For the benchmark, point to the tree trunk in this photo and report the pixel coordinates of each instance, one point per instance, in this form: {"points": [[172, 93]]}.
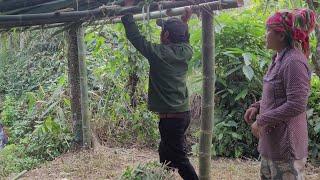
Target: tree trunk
{"points": [[208, 94], [84, 88], [74, 81]]}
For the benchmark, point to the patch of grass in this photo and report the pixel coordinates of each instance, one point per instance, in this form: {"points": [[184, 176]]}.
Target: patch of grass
{"points": [[148, 171]]}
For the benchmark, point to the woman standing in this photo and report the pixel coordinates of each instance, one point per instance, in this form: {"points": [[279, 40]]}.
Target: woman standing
{"points": [[281, 123]]}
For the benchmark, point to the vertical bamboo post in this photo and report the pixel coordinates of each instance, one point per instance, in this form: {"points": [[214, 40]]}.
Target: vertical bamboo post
{"points": [[10, 42], [208, 94], [74, 81], [1, 42], [22, 40], [84, 88]]}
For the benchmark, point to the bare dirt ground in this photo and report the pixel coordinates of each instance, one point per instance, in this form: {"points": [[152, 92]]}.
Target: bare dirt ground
{"points": [[110, 163]]}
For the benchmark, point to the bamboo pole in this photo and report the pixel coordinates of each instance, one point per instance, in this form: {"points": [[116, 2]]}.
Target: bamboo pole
{"points": [[42, 8], [137, 17], [33, 5], [74, 81], [163, 13], [22, 40], [9, 21], [84, 88], [208, 94], [20, 175], [17, 4], [1, 42]]}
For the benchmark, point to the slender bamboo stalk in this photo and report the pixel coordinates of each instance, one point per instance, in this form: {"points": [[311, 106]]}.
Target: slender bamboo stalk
{"points": [[10, 42], [42, 8], [1, 42], [20, 175], [22, 40], [208, 94], [74, 80], [16, 4], [9, 21], [84, 88], [25, 5]]}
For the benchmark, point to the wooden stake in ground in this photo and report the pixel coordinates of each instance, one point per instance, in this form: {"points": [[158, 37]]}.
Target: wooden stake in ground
{"points": [[74, 80], [84, 88], [208, 94]]}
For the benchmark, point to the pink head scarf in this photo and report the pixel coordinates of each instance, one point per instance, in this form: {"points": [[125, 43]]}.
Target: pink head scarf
{"points": [[297, 24]]}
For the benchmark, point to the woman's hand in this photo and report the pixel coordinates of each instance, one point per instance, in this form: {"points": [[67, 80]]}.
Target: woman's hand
{"points": [[187, 15], [250, 115], [129, 3], [255, 129]]}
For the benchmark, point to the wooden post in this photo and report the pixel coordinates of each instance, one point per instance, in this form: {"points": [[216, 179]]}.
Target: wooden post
{"points": [[208, 94], [74, 80], [84, 88], [1, 42], [79, 86]]}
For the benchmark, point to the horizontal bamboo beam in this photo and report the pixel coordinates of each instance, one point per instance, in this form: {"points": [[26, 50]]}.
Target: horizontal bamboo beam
{"points": [[163, 13], [16, 4], [26, 6], [10, 21], [137, 17]]}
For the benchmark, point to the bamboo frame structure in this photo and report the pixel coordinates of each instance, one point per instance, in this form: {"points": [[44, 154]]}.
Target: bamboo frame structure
{"points": [[208, 94], [76, 56], [165, 13], [137, 17], [10, 21]]}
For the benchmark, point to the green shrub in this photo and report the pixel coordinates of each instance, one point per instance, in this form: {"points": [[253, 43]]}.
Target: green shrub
{"points": [[314, 120], [119, 76], [148, 171], [13, 158], [48, 140]]}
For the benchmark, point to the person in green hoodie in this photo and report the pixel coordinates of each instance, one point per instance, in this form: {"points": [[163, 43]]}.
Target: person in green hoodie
{"points": [[168, 93]]}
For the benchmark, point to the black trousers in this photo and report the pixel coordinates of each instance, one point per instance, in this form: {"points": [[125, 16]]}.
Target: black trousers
{"points": [[172, 148]]}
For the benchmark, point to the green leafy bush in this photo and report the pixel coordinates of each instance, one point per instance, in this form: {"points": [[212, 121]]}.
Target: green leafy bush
{"points": [[14, 159], [119, 76], [148, 171], [314, 120], [48, 140]]}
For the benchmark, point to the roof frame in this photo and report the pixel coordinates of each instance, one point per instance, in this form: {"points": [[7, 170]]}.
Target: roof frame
{"points": [[103, 12]]}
